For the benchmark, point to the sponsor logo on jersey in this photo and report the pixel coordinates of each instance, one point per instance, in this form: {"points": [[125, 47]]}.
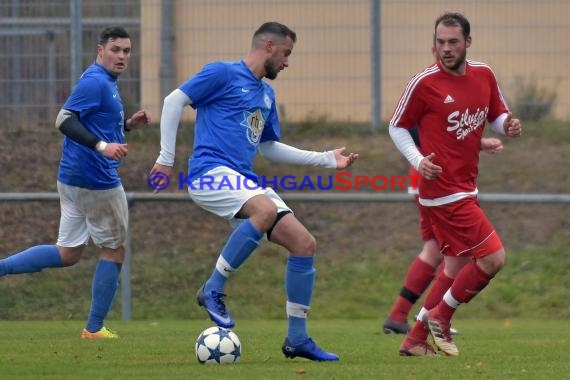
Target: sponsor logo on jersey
{"points": [[462, 124]]}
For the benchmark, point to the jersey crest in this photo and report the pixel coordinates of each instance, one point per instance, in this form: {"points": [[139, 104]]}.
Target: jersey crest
{"points": [[254, 123]]}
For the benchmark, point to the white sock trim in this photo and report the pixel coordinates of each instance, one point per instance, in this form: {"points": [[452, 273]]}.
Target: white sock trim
{"points": [[450, 300], [224, 267], [423, 311], [297, 310]]}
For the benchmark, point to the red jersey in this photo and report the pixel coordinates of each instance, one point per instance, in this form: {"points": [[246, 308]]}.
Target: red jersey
{"points": [[450, 112]]}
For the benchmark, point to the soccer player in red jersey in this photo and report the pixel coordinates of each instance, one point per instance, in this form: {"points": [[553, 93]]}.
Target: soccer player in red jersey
{"points": [[424, 267], [450, 102]]}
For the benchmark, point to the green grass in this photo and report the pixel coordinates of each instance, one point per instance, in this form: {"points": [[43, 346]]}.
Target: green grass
{"points": [[533, 284], [489, 349], [364, 251]]}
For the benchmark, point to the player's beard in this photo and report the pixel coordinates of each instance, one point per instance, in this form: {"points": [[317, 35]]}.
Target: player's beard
{"points": [[457, 63], [270, 70]]}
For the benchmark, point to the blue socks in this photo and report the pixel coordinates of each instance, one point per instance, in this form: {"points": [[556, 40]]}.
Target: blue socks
{"points": [[299, 281], [31, 260], [242, 242], [299, 277], [104, 287], [105, 279]]}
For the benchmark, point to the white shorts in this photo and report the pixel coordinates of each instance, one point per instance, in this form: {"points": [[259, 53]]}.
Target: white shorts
{"points": [[101, 215], [223, 191]]}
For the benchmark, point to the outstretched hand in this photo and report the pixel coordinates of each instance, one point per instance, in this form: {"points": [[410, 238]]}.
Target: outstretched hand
{"points": [[342, 161], [428, 169], [138, 119]]}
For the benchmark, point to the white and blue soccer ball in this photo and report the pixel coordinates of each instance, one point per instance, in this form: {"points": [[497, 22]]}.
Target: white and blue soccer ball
{"points": [[218, 345]]}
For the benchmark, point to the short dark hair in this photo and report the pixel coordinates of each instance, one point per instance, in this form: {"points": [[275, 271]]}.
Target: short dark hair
{"points": [[112, 33], [273, 27], [454, 19]]}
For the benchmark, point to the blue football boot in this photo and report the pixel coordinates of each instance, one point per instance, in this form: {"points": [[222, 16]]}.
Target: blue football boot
{"points": [[308, 350], [215, 306]]}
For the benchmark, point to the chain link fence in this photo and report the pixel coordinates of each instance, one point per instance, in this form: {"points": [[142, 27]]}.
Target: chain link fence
{"points": [[333, 70], [350, 64]]}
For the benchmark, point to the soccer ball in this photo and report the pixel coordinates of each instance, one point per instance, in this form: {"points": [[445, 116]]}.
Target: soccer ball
{"points": [[218, 345]]}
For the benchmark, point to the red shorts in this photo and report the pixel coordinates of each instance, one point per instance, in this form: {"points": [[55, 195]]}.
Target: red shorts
{"points": [[462, 229], [426, 229], [425, 224]]}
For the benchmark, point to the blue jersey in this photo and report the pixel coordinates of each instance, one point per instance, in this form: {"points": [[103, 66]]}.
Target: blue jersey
{"points": [[235, 112], [95, 98]]}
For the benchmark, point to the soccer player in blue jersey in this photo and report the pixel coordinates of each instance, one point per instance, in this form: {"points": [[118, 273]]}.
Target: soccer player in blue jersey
{"points": [[92, 198], [236, 118]]}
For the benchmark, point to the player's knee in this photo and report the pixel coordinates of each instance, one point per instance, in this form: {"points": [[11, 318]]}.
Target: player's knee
{"points": [[499, 259], [494, 262], [265, 218], [116, 255], [430, 254], [261, 211], [70, 255], [307, 245]]}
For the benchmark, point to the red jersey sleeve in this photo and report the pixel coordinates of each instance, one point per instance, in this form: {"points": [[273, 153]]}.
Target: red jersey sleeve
{"points": [[411, 105], [497, 103]]}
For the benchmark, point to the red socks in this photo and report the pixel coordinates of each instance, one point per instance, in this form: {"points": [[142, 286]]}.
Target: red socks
{"points": [[418, 278], [469, 282], [438, 289]]}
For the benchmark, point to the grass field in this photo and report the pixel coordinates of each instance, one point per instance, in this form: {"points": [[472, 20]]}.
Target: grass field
{"points": [[489, 349], [519, 329]]}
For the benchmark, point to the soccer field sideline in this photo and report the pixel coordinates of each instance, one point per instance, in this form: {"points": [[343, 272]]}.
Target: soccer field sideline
{"points": [[164, 349]]}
